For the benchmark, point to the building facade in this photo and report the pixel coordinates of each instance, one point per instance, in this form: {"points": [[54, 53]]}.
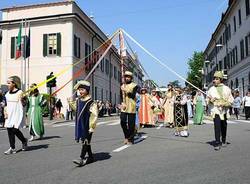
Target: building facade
{"points": [[229, 48], [61, 35]]}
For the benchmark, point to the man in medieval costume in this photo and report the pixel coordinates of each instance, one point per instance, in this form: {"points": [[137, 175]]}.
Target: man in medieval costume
{"points": [[145, 111], [35, 118], [180, 113], [128, 108], [85, 121], [168, 106], [220, 98]]}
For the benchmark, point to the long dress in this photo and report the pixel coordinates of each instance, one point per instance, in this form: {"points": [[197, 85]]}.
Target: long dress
{"points": [[36, 126], [168, 106], [145, 111], [199, 109], [181, 115]]}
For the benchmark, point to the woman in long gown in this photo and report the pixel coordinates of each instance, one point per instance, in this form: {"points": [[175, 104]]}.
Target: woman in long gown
{"points": [[36, 101], [199, 102]]}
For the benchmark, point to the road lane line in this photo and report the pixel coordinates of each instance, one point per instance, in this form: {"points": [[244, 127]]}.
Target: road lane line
{"points": [[126, 146]]}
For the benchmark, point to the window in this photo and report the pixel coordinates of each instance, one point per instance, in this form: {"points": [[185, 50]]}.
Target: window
{"points": [[77, 47], [232, 84], [52, 44], [111, 70], [220, 65], [249, 78], [225, 62], [106, 95], [236, 54], [102, 65], [107, 66], [239, 13], [102, 94], [247, 2], [234, 24], [95, 93], [243, 85], [247, 45], [229, 31], [115, 72], [13, 48], [87, 56], [236, 83], [119, 77], [242, 49]]}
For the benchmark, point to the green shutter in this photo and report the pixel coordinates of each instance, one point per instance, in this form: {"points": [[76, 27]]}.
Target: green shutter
{"points": [[58, 44], [45, 45], [12, 48]]}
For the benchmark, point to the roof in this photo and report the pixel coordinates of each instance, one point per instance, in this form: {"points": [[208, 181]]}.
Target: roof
{"points": [[65, 2]]}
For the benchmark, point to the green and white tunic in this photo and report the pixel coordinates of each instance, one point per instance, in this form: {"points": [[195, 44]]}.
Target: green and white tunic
{"points": [[35, 117]]}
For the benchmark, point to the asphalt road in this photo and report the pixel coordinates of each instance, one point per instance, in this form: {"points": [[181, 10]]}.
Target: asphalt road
{"points": [[158, 157]]}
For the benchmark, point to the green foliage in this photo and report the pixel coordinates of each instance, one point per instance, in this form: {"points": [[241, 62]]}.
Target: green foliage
{"points": [[194, 70], [176, 83]]}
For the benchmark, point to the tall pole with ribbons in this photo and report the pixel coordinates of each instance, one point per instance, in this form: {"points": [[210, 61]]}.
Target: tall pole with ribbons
{"points": [[122, 57]]}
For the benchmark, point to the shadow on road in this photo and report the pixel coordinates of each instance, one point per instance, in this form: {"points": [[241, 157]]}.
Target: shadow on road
{"points": [[212, 143], [101, 156], [37, 147], [48, 137]]}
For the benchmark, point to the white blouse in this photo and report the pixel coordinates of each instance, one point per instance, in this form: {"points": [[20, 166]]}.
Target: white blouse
{"points": [[14, 110]]}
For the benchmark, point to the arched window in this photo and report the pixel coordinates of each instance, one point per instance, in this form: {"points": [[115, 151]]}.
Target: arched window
{"points": [[236, 83]]}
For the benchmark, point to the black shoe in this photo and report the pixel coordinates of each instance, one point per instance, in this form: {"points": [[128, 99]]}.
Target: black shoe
{"points": [[80, 162], [25, 145], [90, 160]]}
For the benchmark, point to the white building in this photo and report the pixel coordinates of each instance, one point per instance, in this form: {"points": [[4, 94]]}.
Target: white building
{"points": [[61, 35], [229, 47]]}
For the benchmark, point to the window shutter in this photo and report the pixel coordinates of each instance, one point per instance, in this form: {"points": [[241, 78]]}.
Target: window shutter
{"points": [[58, 44], [12, 48], [45, 45]]}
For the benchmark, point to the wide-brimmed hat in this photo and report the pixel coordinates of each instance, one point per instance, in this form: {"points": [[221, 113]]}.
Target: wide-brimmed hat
{"points": [[16, 80], [128, 73], [219, 74], [82, 83]]}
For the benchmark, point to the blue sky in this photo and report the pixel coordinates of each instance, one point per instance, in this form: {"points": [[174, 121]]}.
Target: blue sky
{"points": [[171, 29]]}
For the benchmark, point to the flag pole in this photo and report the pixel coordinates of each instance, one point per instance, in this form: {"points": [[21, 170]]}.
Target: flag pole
{"points": [[24, 52], [28, 63], [21, 61]]}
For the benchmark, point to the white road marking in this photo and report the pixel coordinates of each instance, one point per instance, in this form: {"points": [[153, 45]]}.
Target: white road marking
{"points": [[126, 146], [121, 148], [160, 126]]}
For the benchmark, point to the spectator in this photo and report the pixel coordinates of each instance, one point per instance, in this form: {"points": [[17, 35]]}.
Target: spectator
{"points": [[236, 104], [2, 105], [246, 104]]}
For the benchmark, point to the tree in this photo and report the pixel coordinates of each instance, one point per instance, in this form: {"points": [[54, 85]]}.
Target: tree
{"points": [[176, 83], [194, 70]]}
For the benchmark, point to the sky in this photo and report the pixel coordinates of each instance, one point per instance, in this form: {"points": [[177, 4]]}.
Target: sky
{"points": [[172, 30]]}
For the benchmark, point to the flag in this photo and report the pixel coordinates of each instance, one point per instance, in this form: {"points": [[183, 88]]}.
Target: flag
{"points": [[122, 45], [19, 42], [27, 45]]}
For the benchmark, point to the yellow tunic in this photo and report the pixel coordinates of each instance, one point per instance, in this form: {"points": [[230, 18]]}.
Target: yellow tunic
{"points": [[129, 103]]}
